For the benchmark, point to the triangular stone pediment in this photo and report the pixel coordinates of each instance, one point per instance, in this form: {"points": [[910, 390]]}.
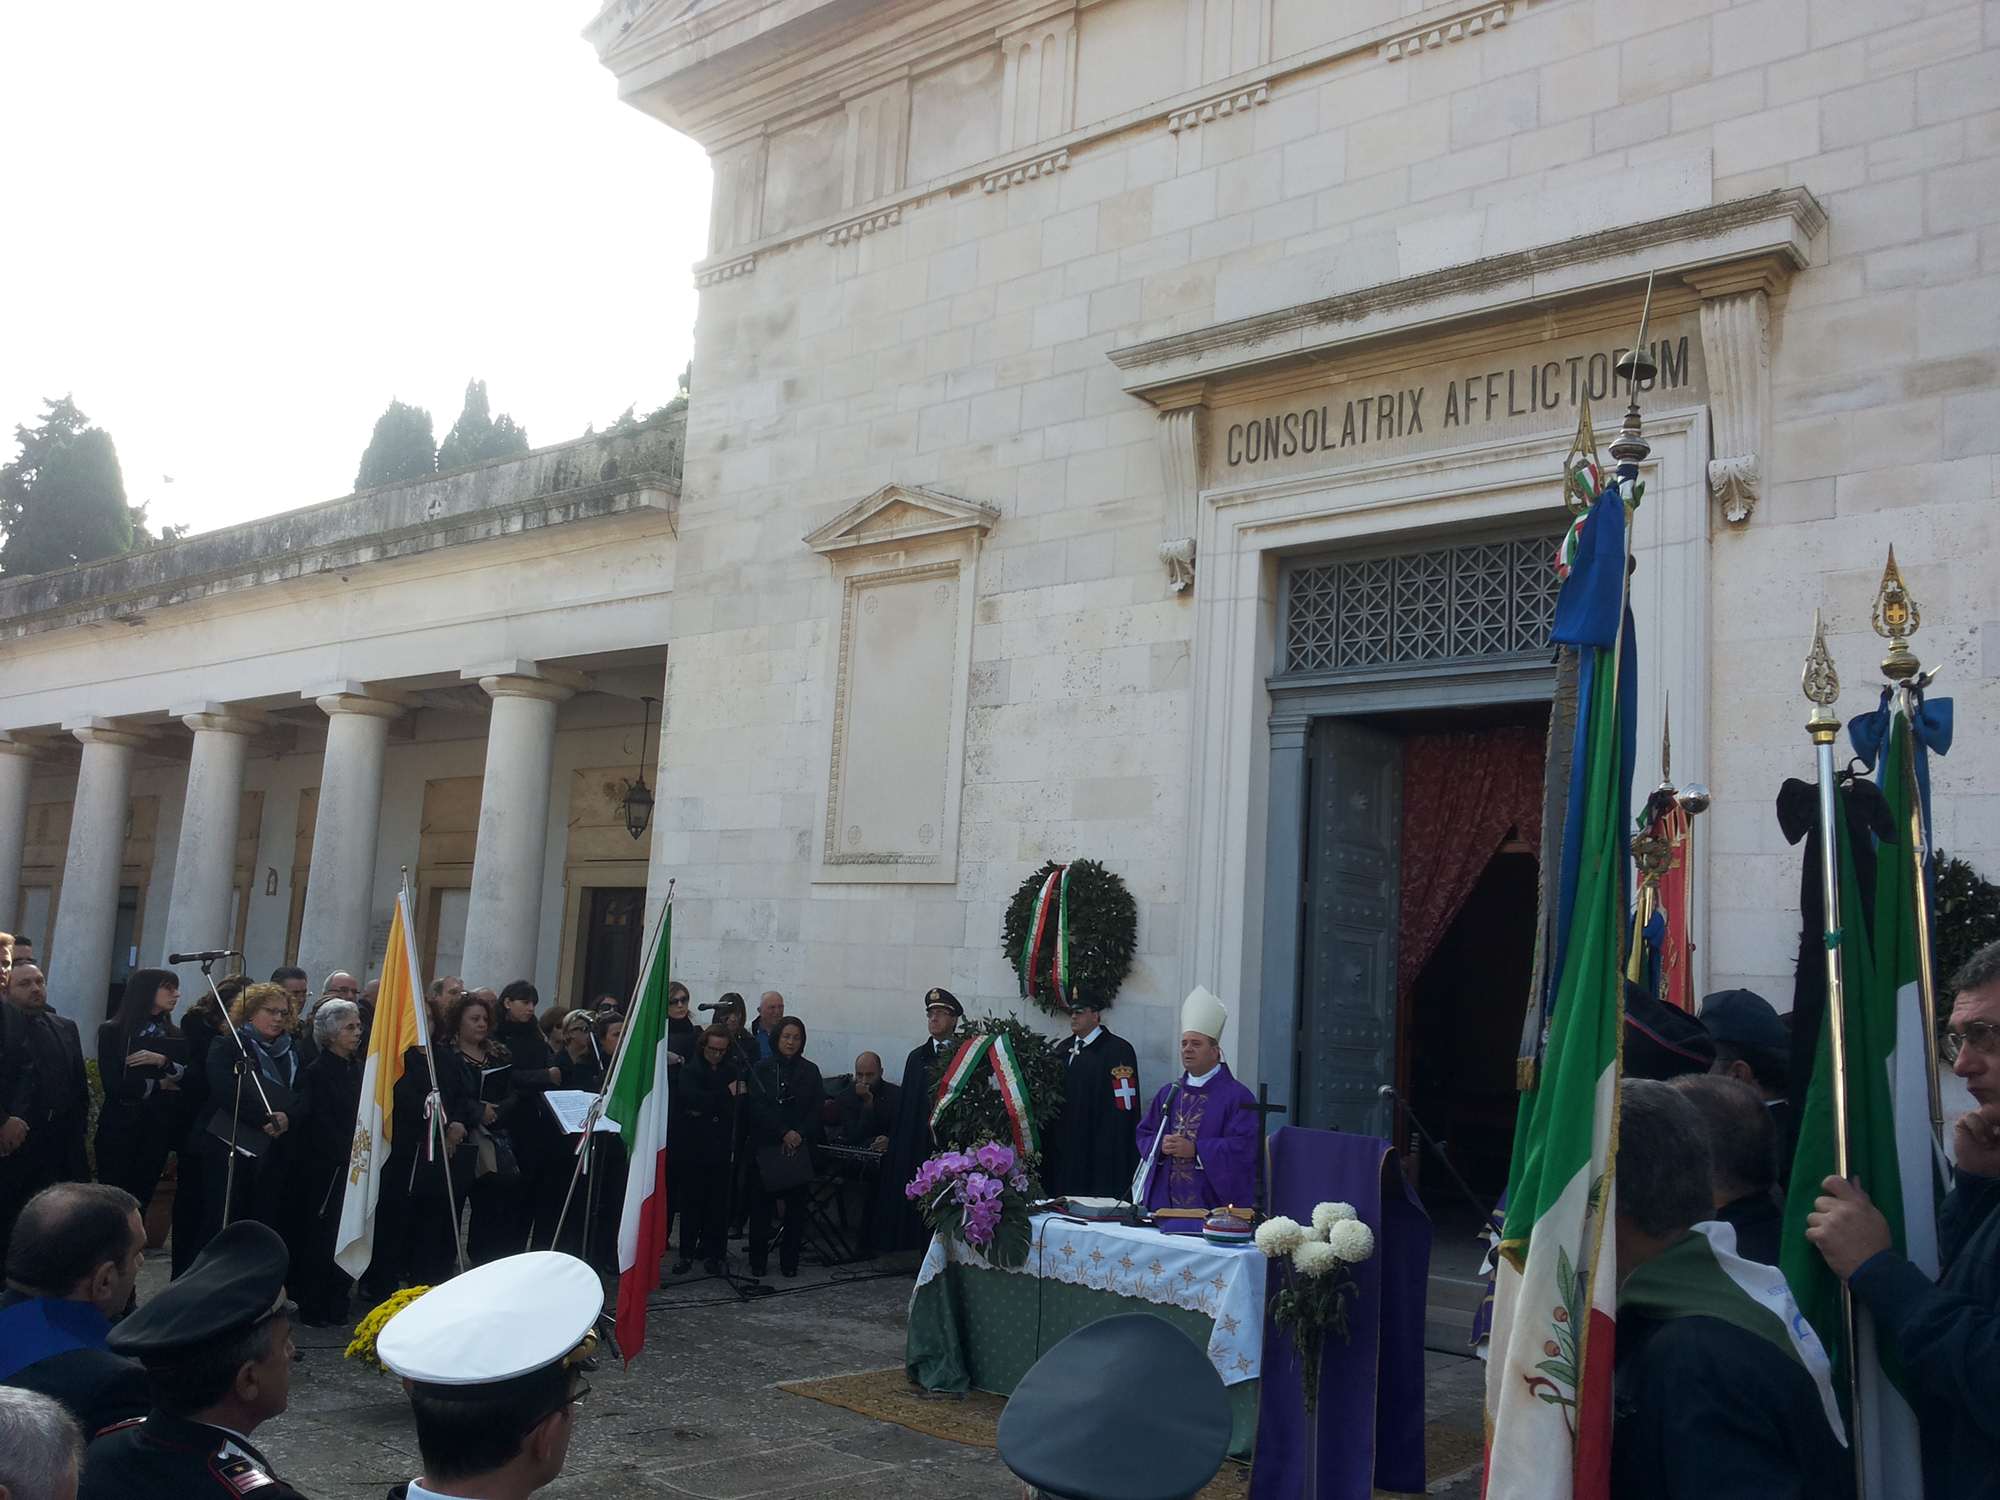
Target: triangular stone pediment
{"points": [[899, 513]]}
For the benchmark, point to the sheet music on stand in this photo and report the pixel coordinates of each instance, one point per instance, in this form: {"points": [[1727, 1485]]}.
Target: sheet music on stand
{"points": [[569, 1106]]}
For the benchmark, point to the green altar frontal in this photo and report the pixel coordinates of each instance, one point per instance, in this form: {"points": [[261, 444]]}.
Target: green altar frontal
{"points": [[976, 1328]]}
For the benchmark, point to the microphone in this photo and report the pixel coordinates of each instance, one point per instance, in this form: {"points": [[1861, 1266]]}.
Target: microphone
{"points": [[206, 956]]}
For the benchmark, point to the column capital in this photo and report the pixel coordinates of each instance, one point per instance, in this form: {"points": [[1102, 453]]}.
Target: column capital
{"points": [[338, 702], [105, 732], [513, 685], [11, 746], [213, 718]]}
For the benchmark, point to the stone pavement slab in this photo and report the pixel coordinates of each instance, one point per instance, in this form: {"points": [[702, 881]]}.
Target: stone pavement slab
{"points": [[698, 1416]]}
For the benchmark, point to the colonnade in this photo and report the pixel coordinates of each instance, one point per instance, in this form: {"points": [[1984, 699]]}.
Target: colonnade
{"points": [[503, 919]]}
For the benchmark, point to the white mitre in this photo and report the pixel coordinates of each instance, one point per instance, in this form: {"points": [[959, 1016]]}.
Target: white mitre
{"points": [[1202, 1012]]}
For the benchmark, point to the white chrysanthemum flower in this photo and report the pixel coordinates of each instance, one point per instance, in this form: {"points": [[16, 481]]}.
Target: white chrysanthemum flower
{"points": [[1280, 1236], [1315, 1259], [1329, 1214], [1352, 1241]]}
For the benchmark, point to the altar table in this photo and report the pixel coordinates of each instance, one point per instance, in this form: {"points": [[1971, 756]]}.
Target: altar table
{"points": [[973, 1326]]}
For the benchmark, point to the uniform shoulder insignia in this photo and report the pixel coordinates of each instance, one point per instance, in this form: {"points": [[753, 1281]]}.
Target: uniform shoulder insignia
{"points": [[242, 1473]]}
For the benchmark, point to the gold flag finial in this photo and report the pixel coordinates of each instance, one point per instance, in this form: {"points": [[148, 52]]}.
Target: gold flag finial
{"points": [[1821, 683], [1583, 469], [1667, 742], [1896, 619]]}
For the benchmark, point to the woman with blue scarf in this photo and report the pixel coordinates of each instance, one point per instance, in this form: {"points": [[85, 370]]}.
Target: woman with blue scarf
{"points": [[262, 1139]]}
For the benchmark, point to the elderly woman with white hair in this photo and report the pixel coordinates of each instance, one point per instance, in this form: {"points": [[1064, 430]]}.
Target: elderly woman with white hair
{"points": [[334, 1076]]}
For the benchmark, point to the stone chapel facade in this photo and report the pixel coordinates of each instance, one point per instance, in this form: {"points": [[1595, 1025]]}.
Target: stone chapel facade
{"points": [[1117, 420], [1121, 427]]}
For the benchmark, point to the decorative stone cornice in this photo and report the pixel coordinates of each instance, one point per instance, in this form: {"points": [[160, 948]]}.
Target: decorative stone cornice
{"points": [[864, 224], [897, 514], [1771, 235], [1026, 171], [1235, 102], [712, 272], [1430, 37]]}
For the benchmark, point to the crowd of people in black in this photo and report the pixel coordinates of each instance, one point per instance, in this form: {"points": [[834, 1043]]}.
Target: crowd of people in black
{"points": [[252, 1095], [245, 1102]]}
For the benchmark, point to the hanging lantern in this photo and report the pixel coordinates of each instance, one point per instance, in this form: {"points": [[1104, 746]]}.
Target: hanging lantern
{"points": [[638, 802]]}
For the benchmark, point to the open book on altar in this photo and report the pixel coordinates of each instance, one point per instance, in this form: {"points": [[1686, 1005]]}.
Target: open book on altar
{"points": [[569, 1106]]}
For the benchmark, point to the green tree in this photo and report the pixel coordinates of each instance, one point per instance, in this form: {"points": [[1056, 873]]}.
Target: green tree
{"points": [[478, 435], [62, 499], [402, 448]]}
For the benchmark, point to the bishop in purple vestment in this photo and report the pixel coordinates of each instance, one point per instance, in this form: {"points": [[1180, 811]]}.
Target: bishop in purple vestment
{"points": [[1199, 1140]]}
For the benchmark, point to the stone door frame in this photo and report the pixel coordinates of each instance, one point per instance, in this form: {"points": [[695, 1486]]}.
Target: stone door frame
{"points": [[1246, 764]]}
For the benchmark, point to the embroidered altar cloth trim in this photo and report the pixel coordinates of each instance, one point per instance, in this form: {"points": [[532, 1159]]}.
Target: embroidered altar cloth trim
{"points": [[1225, 1285]]}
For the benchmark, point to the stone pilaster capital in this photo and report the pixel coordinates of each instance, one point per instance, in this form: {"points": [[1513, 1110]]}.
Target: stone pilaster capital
{"points": [[357, 703], [512, 685], [11, 746], [105, 732]]}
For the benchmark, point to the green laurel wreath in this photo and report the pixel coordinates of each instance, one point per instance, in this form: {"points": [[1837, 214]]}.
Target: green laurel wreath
{"points": [[1103, 933]]}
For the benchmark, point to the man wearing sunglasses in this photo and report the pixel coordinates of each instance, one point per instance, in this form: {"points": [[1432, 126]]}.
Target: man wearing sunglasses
{"points": [[1947, 1332], [492, 1361]]}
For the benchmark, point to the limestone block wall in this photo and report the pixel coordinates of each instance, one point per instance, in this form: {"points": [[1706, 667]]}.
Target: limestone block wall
{"points": [[963, 347]]}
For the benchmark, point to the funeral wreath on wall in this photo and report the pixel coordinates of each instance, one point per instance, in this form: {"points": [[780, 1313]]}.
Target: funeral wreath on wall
{"points": [[1070, 933]]}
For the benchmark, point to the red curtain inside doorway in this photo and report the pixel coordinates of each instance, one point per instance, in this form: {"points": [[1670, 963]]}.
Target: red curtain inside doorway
{"points": [[1463, 794]]}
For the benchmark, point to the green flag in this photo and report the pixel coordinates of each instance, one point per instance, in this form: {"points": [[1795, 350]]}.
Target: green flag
{"points": [[1889, 1137]]}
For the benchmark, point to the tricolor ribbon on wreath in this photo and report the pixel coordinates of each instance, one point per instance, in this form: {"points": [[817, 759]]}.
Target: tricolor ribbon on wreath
{"points": [[998, 1050], [1049, 921]]}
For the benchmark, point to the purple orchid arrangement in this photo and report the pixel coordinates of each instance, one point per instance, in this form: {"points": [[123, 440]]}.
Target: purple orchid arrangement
{"points": [[979, 1197]]}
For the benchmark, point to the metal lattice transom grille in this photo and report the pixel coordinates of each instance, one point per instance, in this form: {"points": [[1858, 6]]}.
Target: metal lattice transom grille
{"points": [[1461, 603]]}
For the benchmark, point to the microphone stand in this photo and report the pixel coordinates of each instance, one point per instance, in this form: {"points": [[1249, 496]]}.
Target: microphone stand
{"points": [[1388, 1092], [244, 1064], [746, 1288]]}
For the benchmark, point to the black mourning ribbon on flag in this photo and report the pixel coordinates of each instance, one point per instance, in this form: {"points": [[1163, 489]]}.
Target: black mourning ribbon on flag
{"points": [[1868, 820]]}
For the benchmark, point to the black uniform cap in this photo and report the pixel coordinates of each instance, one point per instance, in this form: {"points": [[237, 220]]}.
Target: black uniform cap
{"points": [[233, 1285], [1662, 1041], [945, 998], [1126, 1408], [1745, 1020]]}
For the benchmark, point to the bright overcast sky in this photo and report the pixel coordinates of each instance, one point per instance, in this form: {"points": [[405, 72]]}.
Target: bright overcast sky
{"points": [[236, 230]]}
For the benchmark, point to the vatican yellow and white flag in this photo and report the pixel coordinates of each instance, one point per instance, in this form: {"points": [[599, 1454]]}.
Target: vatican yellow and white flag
{"points": [[400, 1024]]}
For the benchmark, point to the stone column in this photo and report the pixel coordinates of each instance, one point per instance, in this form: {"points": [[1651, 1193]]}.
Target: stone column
{"points": [[205, 858], [17, 768], [504, 916], [334, 933], [87, 909]]}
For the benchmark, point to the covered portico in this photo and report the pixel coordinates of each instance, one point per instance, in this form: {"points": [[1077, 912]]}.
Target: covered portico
{"points": [[245, 739]]}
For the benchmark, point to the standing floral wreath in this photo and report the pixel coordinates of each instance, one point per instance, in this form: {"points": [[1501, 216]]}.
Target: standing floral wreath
{"points": [[1070, 934], [979, 1112]]}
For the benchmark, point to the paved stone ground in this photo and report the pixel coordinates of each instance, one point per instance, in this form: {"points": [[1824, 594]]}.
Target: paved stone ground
{"points": [[699, 1415]]}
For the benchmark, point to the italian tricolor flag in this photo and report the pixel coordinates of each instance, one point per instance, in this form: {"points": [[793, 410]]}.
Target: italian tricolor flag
{"points": [[1549, 1373], [636, 1097]]}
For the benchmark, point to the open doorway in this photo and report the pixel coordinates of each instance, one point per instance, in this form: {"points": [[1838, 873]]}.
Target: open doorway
{"points": [[613, 932], [1463, 1030]]}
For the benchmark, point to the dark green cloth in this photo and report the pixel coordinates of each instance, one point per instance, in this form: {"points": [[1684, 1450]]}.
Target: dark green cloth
{"points": [[978, 1329]]}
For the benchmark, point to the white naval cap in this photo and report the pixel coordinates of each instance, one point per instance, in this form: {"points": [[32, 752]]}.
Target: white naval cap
{"points": [[508, 1318], [1202, 1012]]}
